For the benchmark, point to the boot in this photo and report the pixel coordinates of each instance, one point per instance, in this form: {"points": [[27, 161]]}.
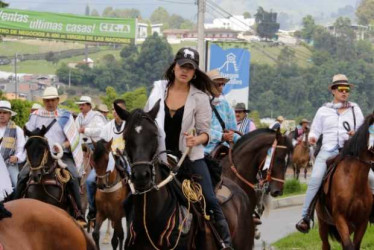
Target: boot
{"points": [[23, 178], [303, 225], [224, 232], [73, 186]]}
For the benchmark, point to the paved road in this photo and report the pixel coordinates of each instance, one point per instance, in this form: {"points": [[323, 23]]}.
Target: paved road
{"points": [[277, 225]]}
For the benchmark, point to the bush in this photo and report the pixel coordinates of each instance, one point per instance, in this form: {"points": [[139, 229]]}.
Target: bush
{"points": [[293, 186]]}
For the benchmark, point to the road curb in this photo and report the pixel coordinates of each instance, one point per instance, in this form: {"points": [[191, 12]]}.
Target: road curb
{"points": [[290, 201]]}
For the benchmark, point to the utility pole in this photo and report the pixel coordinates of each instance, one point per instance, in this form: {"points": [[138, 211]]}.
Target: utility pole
{"points": [[85, 45], [15, 75], [200, 32]]}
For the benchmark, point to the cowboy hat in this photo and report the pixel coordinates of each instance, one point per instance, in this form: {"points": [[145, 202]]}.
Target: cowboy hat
{"points": [[304, 121], [51, 93], [340, 80], [6, 106], [103, 108], [215, 74], [280, 118], [85, 99], [241, 107]]}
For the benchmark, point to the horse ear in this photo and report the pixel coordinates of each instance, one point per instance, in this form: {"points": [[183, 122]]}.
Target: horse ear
{"points": [[154, 111], [123, 114], [26, 131], [43, 131]]}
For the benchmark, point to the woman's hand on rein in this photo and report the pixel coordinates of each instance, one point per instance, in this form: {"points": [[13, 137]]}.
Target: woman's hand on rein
{"points": [[191, 141]]}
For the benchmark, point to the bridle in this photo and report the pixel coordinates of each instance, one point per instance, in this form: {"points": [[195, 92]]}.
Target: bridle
{"points": [[262, 181], [44, 159]]}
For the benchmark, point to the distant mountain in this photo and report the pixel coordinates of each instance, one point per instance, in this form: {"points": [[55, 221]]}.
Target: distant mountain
{"points": [[290, 12]]}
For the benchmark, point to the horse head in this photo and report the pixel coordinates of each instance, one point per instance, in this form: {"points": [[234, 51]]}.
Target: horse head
{"points": [[141, 137], [37, 152], [361, 144], [277, 171], [101, 158]]}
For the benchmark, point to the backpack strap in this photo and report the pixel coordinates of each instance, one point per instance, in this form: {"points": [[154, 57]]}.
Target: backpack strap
{"points": [[218, 116], [354, 118]]}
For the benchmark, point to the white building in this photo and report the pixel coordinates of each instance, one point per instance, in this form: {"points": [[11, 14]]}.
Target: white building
{"points": [[142, 30], [237, 23]]}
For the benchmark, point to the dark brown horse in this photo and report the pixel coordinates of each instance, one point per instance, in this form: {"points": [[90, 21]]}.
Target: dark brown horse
{"points": [[112, 190], [301, 156], [346, 201], [35, 225], [159, 215], [47, 180], [244, 165]]}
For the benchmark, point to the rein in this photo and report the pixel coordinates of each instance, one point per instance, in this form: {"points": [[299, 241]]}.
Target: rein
{"points": [[262, 181]]}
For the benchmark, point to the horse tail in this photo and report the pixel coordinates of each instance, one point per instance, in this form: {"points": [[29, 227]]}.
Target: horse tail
{"points": [[334, 234], [3, 212]]}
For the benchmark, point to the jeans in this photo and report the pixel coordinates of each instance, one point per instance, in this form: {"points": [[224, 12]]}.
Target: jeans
{"points": [[91, 189], [200, 168], [13, 173], [318, 172]]}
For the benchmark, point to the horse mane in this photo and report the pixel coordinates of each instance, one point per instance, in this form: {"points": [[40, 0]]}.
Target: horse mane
{"points": [[4, 213], [358, 143], [247, 138], [100, 149]]}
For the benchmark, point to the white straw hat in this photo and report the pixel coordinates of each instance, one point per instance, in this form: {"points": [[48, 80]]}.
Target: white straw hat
{"points": [[6, 106], [85, 99]]}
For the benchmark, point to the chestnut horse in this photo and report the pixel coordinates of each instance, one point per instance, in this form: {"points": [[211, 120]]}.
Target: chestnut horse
{"points": [[35, 225], [345, 202], [111, 191], [301, 156], [244, 164], [155, 211]]}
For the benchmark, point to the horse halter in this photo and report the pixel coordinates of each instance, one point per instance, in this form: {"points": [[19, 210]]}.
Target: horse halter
{"points": [[262, 181]]}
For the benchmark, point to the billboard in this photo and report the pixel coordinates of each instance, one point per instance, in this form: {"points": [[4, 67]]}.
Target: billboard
{"points": [[65, 26], [232, 63]]}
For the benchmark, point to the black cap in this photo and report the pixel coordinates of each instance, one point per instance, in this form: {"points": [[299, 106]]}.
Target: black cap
{"points": [[187, 55]]}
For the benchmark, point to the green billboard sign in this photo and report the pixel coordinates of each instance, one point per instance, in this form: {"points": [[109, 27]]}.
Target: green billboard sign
{"points": [[67, 27]]}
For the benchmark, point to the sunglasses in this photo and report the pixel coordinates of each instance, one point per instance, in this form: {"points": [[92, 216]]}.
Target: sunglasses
{"points": [[344, 89], [238, 111]]}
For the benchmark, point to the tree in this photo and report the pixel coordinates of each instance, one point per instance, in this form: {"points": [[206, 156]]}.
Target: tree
{"points": [[266, 23], [129, 50], [94, 12], [22, 108], [3, 4], [160, 15], [111, 95], [121, 13], [136, 98], [155, 56], [247, 15], [365, 12], [308, 29], [175, 21]]}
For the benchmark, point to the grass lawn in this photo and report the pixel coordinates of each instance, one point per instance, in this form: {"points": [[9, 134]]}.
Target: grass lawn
{"points": [[44, 67], [35, 46], [311, 241], [293, 187]]}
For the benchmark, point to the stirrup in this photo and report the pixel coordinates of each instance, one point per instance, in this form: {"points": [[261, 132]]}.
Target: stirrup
{"points": [[303, 225]]}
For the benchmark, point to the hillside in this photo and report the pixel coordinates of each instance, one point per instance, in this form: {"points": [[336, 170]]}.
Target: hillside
{"points": [[261, 53]]}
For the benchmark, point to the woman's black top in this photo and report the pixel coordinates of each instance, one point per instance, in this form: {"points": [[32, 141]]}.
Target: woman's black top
{"points": [[172, 127]]}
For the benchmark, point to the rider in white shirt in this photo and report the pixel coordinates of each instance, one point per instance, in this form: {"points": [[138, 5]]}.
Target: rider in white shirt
{"points": [[336, 121]]}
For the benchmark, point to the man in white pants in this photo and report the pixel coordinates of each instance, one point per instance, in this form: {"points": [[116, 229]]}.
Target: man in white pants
{"points": [[329, 121]]}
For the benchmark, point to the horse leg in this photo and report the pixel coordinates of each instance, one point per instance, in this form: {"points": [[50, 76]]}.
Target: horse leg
{"points": [[118, 235], [294, 170], [106, 238], [323, 234], [96, 232], [305, 170], [359, 234], [342, 227], [297, 172]]}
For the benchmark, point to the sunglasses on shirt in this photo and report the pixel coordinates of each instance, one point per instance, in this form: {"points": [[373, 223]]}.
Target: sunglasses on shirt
{"points": [[343, 89]]}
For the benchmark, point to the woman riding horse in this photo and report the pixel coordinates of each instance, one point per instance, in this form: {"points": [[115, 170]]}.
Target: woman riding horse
{"points": [[185, 106]]}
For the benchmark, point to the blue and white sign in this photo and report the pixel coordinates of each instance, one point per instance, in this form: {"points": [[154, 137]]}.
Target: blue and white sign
{"points": [[234, 64]]}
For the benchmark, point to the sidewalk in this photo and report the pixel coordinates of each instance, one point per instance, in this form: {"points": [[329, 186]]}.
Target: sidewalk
{"points": [[290, 201]]}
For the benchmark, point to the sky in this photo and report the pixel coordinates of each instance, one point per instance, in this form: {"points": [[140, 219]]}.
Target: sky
{"points": [[187, 8]]}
